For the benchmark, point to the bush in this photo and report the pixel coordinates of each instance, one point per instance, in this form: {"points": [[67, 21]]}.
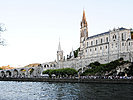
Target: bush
{"points": [[94, 64], [98, 68], [61, 72]]}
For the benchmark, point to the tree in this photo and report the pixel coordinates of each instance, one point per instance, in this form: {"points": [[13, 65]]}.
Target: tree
{"points": [[61, 72]]}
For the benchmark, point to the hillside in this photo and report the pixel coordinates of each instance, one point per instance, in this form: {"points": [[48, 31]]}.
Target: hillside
{"points": [[117, 67]]}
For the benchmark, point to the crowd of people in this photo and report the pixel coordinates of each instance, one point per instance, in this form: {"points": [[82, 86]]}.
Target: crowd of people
{"points": [[106, 77]]}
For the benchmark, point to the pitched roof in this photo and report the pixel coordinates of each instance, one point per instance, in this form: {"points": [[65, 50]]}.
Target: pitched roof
{"points": [[104, 33]]}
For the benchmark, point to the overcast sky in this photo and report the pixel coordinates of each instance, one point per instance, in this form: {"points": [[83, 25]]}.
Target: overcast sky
{"points": [[34, 26]]}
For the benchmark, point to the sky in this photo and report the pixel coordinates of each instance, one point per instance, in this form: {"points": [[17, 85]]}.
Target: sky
{"points": [[33, 27]]}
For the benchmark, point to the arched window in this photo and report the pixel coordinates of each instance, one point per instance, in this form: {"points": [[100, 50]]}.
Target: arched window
{"points": [[87, 44], [96, 42], [122, 44], [106, 39], [91, 42], [106, 47], [115, 36], [122, 36], [86, 50], [101, 40]]}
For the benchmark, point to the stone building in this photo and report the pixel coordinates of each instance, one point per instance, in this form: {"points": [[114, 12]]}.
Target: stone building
{"points": [[104, 47], [113, 44]]}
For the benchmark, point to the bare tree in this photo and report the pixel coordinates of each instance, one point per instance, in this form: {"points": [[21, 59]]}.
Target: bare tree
{"points": [[2, 29]]}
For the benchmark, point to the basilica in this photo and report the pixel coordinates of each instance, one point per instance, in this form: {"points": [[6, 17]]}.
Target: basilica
{"points": [[104, 47]]}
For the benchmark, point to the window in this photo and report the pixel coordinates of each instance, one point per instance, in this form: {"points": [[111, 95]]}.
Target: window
{"points": [[86, 50], [122, 44], [91, 42], [106, 47], [100, 48], [114, 37], [112, 45], [96, 42], [122, 36], [95, 49], [87, 44], [129, 43], [90, 50], [101, 40], [116, 45], [106, 39]]}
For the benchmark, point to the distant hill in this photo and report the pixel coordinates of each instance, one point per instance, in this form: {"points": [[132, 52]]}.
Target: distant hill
{"points": [[6, 67], [33, 65]]}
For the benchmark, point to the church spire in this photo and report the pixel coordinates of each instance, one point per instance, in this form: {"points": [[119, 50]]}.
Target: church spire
{"points": [[83, 22], [84, 18], [59, 46], [59, 53]]}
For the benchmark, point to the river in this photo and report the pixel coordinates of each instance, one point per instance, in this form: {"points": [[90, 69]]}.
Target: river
{"points": [[10, 90]]}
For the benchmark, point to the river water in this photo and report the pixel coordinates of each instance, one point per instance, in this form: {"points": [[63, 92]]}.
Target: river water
{"points": [[64, 91]]}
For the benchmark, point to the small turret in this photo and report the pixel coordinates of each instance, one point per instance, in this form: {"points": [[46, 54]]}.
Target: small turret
{"points": [[72, 54]]}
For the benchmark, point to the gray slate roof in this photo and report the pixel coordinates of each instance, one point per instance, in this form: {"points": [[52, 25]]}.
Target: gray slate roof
{"points": [[104, 33]]}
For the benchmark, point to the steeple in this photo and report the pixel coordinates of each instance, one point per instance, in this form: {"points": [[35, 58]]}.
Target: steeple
{"points": [[59, 53], [59, 46], [83, 34], [83, 22], [84, 18]]}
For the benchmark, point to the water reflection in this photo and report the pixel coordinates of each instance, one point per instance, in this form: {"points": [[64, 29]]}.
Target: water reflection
{"points": [[64, 91]]}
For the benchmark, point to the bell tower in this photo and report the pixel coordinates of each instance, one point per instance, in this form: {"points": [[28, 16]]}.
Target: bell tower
{"points": [[83, 33], [59, 53]]}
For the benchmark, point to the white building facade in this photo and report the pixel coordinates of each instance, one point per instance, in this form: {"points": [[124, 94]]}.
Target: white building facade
{"points": [[112, 44], [104, 47]]}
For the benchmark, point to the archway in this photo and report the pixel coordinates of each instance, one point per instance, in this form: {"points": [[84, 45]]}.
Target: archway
{"points": [[45, 66], [3, 74], [31, 72], [15, 73], [8, 73], [23, 73]]}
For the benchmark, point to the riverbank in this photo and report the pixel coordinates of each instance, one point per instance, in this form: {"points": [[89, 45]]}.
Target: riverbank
{"points": [[102, 81]]}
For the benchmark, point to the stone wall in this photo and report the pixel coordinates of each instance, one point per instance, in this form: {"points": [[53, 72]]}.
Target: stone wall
{"points": [[84, 62]]}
